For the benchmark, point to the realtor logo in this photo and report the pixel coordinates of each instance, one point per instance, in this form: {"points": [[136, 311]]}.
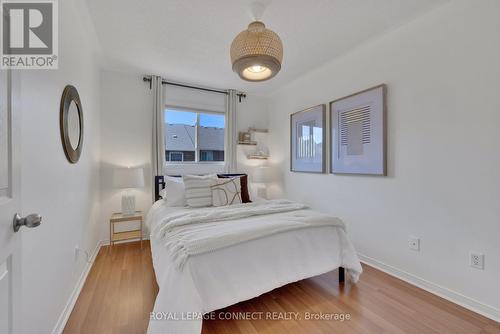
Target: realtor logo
{"points": [[29, 34]]}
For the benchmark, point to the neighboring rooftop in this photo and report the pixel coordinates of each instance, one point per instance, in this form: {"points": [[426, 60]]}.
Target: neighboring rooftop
{"points": [[182, 138]]}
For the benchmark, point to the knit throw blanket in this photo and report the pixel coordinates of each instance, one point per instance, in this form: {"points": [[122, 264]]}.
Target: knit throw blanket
{"points": [[209, 229]]}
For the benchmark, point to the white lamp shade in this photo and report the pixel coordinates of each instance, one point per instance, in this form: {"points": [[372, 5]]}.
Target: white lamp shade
{"points": [[128, 178], [262, 174]]}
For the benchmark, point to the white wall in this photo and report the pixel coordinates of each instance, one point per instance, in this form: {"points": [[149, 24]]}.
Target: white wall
{"points": [[66, 195], [252, 113], [126, 123], [443, 185]]}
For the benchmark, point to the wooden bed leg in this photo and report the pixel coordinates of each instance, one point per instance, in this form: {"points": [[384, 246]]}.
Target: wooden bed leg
{"points": [[341, 275]]}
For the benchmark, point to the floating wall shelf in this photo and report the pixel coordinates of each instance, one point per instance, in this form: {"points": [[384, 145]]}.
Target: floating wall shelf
{"points": [[257, 157], [247, 143], [258, 130]]}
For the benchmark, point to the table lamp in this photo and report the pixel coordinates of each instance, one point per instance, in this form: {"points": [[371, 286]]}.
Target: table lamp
{"points": [[128, 178], [262, 176]]}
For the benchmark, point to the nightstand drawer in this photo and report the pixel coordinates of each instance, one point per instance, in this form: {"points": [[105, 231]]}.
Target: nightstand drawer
{"points": [[120, 236], [121, 219]]}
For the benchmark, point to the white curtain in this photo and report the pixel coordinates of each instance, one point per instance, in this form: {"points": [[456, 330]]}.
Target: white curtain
{"points": [[158, 159], [231, 132]]}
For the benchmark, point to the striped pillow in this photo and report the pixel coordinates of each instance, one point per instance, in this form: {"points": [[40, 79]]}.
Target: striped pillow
{"points": [[198, 191]]}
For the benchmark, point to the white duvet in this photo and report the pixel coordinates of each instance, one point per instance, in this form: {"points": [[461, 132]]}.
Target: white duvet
{"points": [[242, 267], [205, 230]]}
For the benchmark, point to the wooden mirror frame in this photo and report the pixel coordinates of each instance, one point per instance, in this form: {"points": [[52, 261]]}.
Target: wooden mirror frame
{"points": [[70, 94]]}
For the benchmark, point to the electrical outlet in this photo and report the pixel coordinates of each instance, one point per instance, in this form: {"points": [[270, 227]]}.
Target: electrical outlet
{"points": [[476, 260], [414, 243]]}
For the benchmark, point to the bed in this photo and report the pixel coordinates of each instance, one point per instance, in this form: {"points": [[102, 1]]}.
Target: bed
{"points": [[205, 281]]}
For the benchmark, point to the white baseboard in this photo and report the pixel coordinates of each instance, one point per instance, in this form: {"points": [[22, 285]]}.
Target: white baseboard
{"points": [[63, 318], [452, 296]]}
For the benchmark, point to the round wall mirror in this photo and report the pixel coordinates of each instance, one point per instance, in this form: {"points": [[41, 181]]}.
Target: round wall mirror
{"points": [[71, 123]]}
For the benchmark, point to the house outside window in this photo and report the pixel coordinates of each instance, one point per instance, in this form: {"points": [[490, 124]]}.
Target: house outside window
{"points": [[212, 155], [206, 156], [175, 156], [193, 136]]}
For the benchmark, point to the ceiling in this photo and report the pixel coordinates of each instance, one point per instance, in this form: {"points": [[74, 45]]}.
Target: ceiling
{"points": [[188, 40]]}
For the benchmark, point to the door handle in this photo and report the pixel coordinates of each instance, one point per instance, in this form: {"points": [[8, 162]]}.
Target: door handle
{"points": [[31, 221]]}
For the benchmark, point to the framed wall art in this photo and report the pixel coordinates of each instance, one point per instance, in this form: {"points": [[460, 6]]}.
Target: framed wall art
{"points": [[358, 133], [308, 140]]}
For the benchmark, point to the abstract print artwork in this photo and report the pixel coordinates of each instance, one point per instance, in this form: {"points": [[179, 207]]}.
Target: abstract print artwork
{"points": [[308, 140], [358, 137]]}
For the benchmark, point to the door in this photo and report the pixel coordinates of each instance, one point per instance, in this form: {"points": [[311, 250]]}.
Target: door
{"points": [[10, 244]]}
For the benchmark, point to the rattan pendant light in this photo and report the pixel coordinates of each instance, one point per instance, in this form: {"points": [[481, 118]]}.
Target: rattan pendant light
{"points": [[256, 53]]}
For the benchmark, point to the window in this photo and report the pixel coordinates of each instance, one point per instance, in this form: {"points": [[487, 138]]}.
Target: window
{"points": [[206, 156], [211, 155], [192, 136], [176, 156]]}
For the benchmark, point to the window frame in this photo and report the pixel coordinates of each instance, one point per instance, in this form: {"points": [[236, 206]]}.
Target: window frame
{"points": [[197, 151]]}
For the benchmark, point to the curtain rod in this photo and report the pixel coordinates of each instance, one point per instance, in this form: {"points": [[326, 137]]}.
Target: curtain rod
{"points": [[165, 82]]}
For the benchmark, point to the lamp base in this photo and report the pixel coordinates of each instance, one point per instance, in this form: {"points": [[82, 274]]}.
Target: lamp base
{"points": [[262, 192], [128, 204]]}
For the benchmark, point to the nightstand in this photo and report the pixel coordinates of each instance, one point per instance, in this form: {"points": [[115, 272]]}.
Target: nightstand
{"points": [[126, 235]]}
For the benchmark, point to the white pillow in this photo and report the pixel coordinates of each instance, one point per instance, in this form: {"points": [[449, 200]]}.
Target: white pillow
{"points": [[174, 193], [226, 191], [198, 192]]}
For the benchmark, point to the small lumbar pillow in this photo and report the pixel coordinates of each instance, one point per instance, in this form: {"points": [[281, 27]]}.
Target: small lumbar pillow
{"points": [[198, 191], [174, 193], [245, 196], [226, 192]]}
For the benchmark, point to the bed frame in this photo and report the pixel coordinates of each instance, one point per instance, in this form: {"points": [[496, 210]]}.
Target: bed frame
{"points": [[160, 185]]}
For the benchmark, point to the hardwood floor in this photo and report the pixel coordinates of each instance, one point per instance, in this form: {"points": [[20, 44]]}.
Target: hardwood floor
{"points": [[120, 291]]}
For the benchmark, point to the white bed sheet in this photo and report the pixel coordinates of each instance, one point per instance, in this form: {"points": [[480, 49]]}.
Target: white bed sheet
{"points": [[227, 276]]}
